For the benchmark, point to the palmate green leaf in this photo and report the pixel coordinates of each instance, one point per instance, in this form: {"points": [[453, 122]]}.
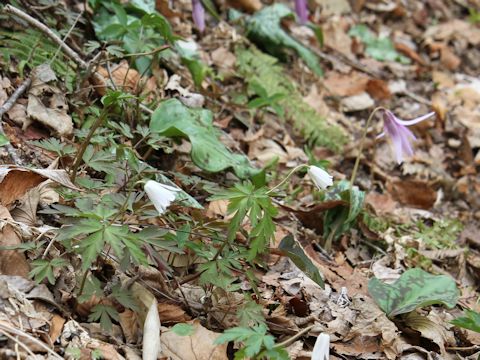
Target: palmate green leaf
{"points": [[256, 343], [124, 297], [250, 314], [43, 269], [105, 314], [260, 236], [295, 252], [90, 248], [173, 119], [264, 28], [470, 321], [92, 288], [415, 288]]}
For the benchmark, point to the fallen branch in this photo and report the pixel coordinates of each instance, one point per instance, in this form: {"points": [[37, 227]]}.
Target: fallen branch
{"points": [[6, 107]]}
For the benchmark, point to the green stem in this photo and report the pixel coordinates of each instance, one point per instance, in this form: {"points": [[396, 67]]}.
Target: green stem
{"points": [[362, 143], [79, 157], [286, 178], [82, 285]]}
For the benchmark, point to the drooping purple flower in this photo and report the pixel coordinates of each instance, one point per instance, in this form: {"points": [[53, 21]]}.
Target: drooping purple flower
{"points": [[301, 8], [198, 14], [396, 129]]}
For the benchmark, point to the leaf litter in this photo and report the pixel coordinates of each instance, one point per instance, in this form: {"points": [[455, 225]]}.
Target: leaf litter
{"points": [[248, 259]]}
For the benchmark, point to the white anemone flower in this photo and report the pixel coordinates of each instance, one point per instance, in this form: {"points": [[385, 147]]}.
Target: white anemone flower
{"points": [[320, 177], [321, 349], [161, 195]]}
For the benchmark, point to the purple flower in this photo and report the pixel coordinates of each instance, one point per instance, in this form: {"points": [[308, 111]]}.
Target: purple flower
{"points": [[198, 13], [301, 8], [401, 137]]}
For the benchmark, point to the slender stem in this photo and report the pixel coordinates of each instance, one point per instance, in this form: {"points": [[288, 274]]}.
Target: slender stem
{"points": [[82, 285], [286, 178], [79, 157], [294, 337], [362, 143]]}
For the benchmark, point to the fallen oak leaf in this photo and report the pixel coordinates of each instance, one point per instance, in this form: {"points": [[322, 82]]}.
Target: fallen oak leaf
{"points": [[16, 181]]}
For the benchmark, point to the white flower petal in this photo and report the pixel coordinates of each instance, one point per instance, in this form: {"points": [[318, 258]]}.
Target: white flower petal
{"points": [[160, 195], [320, 177], [321, 350]]}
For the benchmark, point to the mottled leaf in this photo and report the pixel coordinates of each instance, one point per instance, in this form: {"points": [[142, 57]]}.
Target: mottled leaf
{"points": [[470, 321], [415, 288], [264, 28]]}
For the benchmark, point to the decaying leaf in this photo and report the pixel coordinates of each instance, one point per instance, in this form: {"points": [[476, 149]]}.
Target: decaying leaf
{"points": [[16, 181], [46, 102], [199, 345]]}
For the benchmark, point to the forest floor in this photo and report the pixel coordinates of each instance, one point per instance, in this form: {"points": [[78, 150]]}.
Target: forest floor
{"points": [[165, 190]]}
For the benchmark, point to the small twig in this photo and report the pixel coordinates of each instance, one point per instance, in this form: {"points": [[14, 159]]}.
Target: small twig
{"points": [[18, 343], [6, 107], [66, 37], [14, 97], [294, 337], [17, 332]]}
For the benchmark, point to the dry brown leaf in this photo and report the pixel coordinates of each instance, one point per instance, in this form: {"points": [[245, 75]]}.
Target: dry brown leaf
{"points": [[381, 204], [171, 314], [454, 29], [199, 345], [335, 37], [413, 193], [217, 208], [56, 327], [334, 7], [123, 77], [428, 329], [346, 84], [449, 59], [16, 181], [378, 89], [12, 262], [250, 6], [47, 103], [265, 150], [223, 58], [372, 322], [358, 102], [107, 350], [442, 79], [129, 323], [408, 51]]}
